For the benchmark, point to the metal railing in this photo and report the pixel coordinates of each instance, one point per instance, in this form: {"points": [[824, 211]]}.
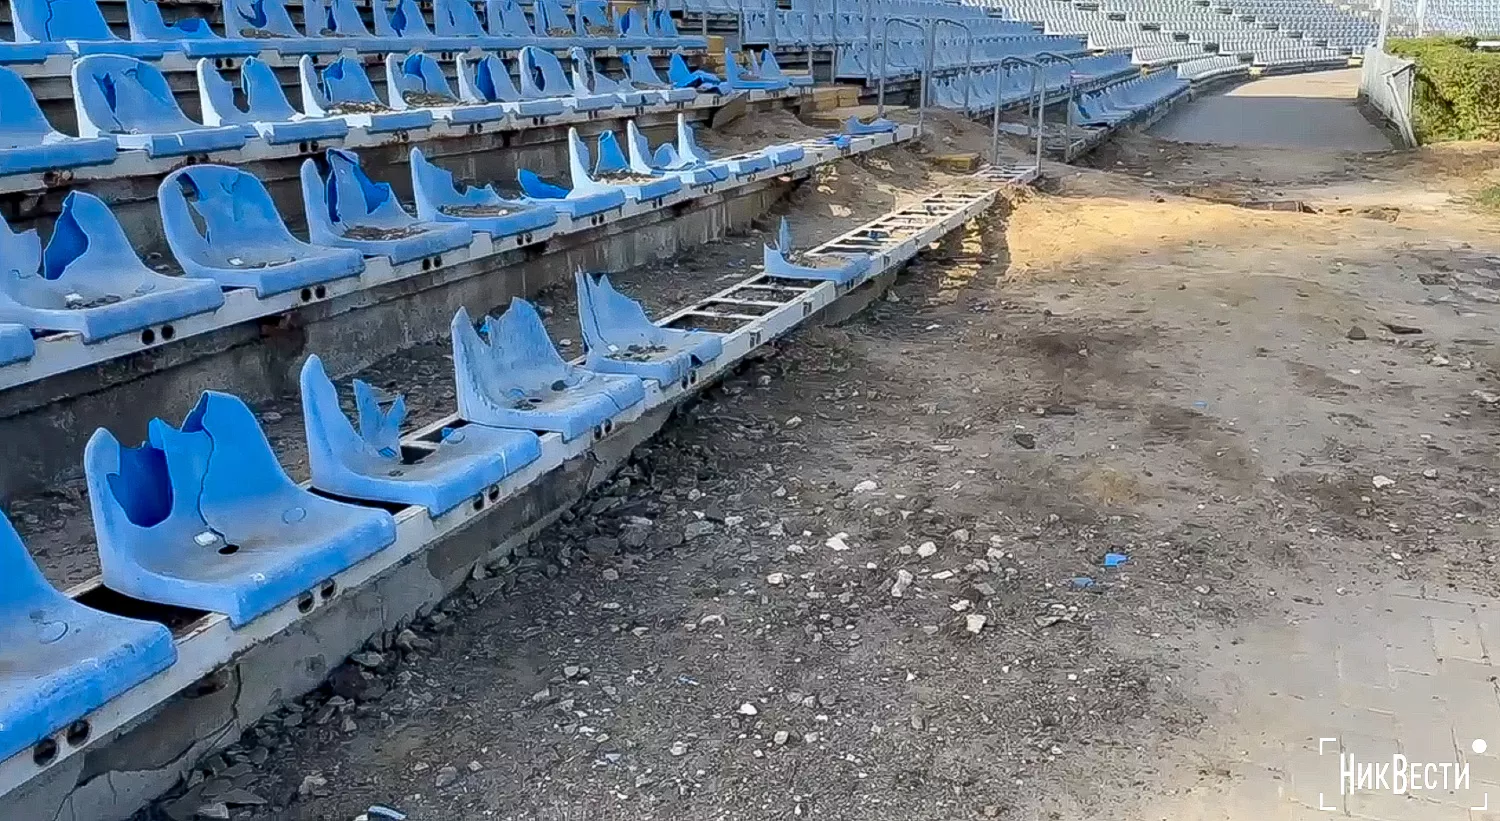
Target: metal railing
{"points": [[968, 52], [885, 42], [1072, 90], [1038, 99], [1385, 81]]}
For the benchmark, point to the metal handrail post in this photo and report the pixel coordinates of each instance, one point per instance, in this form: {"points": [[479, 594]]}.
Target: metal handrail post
{"points": [[1038, 91], [885, 40], [968, 53], [869, 43], [833, 47], [1072, 91], [771, 22]]}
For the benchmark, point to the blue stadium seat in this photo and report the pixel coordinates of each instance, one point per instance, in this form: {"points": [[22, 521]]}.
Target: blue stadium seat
{"points": [[349, 210], [374, 464], [60, 660], [612, 170], [622, 339], [190, 35], [268, 22], [488, 82], [666, 160], [508, 19], [417, 82], [406, 25], [781, 261], [642, 75], [129, 101], [204, 517], [73, 26], [16, 343], [342, 89], [510, 376], [243, 242], [268, 114], [340, 20], [542, 77], [89, 279], [28, 143], [457, 18], [440, 199]]}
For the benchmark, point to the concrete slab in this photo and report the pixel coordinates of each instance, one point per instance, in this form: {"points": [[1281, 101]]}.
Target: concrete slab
{"points": [[1282, 111]]}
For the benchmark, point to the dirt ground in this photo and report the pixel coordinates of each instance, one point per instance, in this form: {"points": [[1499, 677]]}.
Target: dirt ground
{"points": [[873, 576]]}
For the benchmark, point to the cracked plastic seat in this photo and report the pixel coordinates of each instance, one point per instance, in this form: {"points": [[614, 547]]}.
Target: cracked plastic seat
{"points": [[612, 171], [771, 70], [457, 18], [269, 22], [660, 24], [542, 77], [680, 76], [406, 25], [16, 343], [877, 125], [440, 199], [634, 31], [204, 517], [342, 89], [622, 339], [72, 27], [594, 20], [28, 143], [267, 113], [89, 279], [780, 261], [642, 75], [349, 210], [488, 81], [129, 101], [552, 20], [666, 161], [748, 162], [509, 375], [189, 35], [508, 19], [417, 81], [339, 20], [243, 242], [589, 80], [571, 201], [739, 79], [60, 660], [373, 463]]}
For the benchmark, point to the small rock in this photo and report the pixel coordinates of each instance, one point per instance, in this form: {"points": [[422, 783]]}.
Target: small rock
{"points": [[312, 785], [836, 541], [1486, 397], [1438, 360], [1380, 482], [697, 529], [903, 581], [368, 659], [571, 670], [748, 709], [1430, 473], [793, 422], [927, 550], [866, 486], [411, 642], [781, 738], [610, 574], [776, 579], [974, 622], [1024, 439], [446, 776], [475, 766], [271, 416], [678, 749], [216, 810], [1401, 330], [1357, 333]]}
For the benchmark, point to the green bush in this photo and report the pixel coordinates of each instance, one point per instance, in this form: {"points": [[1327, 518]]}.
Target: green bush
{"points": [[1457, 93]]}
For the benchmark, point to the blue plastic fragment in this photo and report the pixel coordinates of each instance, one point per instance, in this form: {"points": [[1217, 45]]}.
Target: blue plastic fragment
{"points": [[509, 375], [877, 125], [842, 269], [612, 170], [204, 517], [740, 79], [622, 339], [243, 242], [1115, 559], [680, 76], [190, 35], [542, 77], [1082, 582], [665, 160], [16, 343], [373, 464], [88, 279], [60, 660]]}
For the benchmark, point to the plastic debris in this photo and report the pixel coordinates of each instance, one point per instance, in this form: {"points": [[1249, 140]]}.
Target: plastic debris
{"points": [[1084, 582], [1115, 559]]}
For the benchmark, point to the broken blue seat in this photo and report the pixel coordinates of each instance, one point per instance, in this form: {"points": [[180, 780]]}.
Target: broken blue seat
{"points": [[342, 89], [550, 19], [507, 19], [457, 18], [622, 339], [89, 279], [680, 76], [488, 82], [268, 23], [661, 25], [642, 75], [749, 162], [542, 77], [349, 210], [203, 516], [781, 261], [665, 160], [28, 143], [129, 101], [510, 376], [594, 20], [877, 125], [440, 199], [574, 202], [190, 35], [267, 113], [16, 343], [72, 27], [61, 660], [243, 242], [634, 31], [588, 79], [339, 20], [612, 170], [417, 81], [373, 463], [408, 28], [771, 70], [741, 79]]}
